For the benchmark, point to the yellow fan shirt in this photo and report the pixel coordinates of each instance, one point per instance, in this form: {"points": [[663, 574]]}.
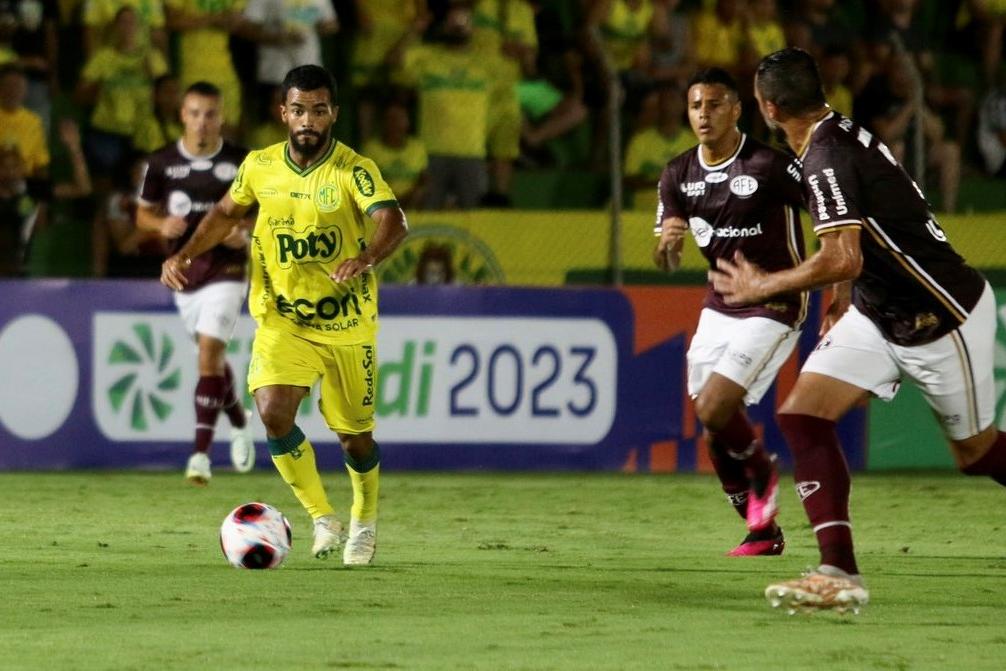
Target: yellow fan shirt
{"points": [[309, 221], [402, 166], [454, 87]]}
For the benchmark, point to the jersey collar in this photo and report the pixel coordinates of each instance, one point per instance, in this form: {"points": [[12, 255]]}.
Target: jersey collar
{"points": [[192, 157], [308, 170], [722, 165], [810, 135]]}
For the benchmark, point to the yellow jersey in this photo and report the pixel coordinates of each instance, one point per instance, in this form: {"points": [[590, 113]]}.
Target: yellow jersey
{"points": [[648, 152], [390, 19], [625, 31], [489, 31], [205, 53], [454, 87], [308, 222], [22, 128], [124, 101], [401, 167], [716, 43]]}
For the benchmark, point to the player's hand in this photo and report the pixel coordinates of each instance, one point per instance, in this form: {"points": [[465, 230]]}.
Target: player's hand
{"points": [[351, 268], [173, 227], [69, 133], [739, 281], [173, 271], [672, 231]]}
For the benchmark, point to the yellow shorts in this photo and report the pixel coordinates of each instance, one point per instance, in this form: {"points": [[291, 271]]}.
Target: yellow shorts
{"points": [[348, 375]]}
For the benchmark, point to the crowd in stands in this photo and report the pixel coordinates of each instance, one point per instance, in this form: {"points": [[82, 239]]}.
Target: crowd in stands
{"points": [[451, 97]]}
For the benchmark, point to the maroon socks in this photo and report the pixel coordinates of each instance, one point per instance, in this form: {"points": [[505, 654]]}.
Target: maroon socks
{"points": [[822, 482], [992, 463]]}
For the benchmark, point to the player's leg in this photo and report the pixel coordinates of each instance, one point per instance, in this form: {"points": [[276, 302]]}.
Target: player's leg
{"points": [[347, 403], [852, 361], [282, 370], [955, 375], [218, 308], [733, 362]]}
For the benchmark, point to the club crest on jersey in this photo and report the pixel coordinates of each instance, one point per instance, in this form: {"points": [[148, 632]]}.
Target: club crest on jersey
{"points": [[225, 171], [716, 177], [328, 198], [364, 182], [743, 186], [693, 189]]}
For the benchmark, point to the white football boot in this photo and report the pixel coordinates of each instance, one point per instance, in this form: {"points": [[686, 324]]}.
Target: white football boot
{"points": [[243, 446], [327, 536], [197, 471], [362, 544]]}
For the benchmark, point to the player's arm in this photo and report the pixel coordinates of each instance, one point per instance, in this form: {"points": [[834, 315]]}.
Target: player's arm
{"points": [[391, 230], [841, 299], [81, 184], [840, 259], [215, 226], [667, 253]]}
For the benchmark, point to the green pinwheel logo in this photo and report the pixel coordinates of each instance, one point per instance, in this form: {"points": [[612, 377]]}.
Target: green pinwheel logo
{"points": [[145, 373]]}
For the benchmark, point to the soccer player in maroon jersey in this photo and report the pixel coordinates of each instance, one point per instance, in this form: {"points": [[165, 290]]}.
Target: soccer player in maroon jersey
{"points": [[181, 182], [906, 305], [735, 195]]}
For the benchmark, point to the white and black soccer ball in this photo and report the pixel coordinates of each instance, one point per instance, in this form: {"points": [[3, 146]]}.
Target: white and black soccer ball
{"points": [[255, 535]]}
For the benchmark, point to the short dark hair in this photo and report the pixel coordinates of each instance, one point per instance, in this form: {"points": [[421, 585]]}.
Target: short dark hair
{"points": [[310, 78], [789, 78], [203, 89], [714, 76]]}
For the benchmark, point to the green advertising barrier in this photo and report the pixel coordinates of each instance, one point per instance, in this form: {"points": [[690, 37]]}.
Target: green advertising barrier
{"points": [[904, 433], [562, 247]]}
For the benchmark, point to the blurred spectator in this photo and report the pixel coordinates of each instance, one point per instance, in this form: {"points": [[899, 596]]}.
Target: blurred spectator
{"points": [[273, 129], [163, 126], [834, 66], [454, 83], [764, 32], [719, 38], [287, 32], [504, 33], [898, 25], [992, 128], [435, 265], [20, 127], [99, 17], [28, 34], [671, 50], [990, 15], [618, 34], [818, 26], [886, 108], [401, 157], [120, 248], [662, 135], [22, 197], [381, 24], [204, 31], [118, 79]]}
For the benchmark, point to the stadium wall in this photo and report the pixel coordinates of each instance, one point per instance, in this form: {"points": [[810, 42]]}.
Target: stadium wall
{"points": [[99, 374]]}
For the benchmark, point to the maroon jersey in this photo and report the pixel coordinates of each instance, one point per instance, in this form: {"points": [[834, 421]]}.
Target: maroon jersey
{"points": [[747, 203], [913, 285], [187, 186]]}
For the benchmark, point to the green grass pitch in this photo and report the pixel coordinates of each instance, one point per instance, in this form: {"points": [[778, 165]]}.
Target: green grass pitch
{"points": [[490, 571]]}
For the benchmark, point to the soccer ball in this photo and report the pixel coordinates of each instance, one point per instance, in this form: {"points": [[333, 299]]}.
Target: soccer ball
{"points": [[255, 535]]}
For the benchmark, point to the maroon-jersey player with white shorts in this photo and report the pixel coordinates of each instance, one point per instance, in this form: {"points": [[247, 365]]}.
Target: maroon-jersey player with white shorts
{"points": [[906, 306], [736, 196]]}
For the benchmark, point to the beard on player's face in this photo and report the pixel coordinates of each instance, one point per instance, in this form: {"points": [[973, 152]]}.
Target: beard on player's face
{"points": [[308, 143]]}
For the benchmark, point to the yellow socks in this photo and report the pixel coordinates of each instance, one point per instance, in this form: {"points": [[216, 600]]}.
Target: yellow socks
{"points": [[294, 459], [365, 476]]}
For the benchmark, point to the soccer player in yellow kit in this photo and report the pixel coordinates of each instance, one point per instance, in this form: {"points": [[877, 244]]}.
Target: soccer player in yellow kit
{"points": [[314, 295]]}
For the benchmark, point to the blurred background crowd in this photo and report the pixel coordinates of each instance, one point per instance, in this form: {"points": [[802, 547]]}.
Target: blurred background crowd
{"points": [[462, 104]]}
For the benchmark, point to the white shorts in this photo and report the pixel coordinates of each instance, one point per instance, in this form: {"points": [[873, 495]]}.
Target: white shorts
{"points": [[212, 310], [749, 351], [954, 373]]}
